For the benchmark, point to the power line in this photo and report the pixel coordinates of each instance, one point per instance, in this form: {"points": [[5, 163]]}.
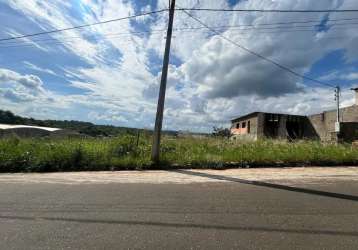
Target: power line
{"points": [[99, 37], [83, 26], [186, 29], [272, 32], [81, 37], [65, 42], [260, 56], [246, 32], [54, 41], [279, 30], [300, 22], [265, 28], [268, 10], [70, 39], [252, 26], [257, 26]]}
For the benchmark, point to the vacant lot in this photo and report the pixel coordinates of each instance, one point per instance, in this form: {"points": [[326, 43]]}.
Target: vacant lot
{"points": [[129, 152]]}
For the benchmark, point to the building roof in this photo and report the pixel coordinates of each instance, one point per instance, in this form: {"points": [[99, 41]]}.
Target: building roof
{"points": [[246, 116], [8, 126], [256, 113]]}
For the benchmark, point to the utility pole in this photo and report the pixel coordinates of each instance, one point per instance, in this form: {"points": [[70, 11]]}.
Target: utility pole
{"points": [[163, 85], [337, 98]]}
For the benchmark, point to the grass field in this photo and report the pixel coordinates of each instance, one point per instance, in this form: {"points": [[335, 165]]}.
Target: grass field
{"points": [[125, 152]]}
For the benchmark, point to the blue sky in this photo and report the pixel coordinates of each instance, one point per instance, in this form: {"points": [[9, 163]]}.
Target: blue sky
{"points": [[109, 74]]}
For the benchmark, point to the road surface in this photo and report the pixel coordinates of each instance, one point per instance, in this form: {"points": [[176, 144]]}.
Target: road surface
{"points": [[299, 208]]}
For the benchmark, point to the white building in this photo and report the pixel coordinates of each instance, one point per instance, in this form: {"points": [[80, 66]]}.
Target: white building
{"points": [[32, 131]]}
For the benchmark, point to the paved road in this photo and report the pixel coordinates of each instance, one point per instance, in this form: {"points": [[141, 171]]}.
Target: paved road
{"points": [[207, 210]]}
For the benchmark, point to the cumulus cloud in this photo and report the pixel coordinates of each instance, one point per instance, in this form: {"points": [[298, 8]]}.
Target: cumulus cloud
{"points": [[224, 70], [227, 72], [17, 96], [31, 82], [210, 80]]}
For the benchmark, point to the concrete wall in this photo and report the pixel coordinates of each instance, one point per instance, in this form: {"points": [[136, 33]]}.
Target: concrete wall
{"points": [[284, 126], [309, 130], [282, 131], [324, 123], [260, 126], [349, 114]]}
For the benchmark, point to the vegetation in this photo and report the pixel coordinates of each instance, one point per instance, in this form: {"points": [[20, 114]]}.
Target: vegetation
{"points": [[86, 128], [221, 132], [126, 152]]}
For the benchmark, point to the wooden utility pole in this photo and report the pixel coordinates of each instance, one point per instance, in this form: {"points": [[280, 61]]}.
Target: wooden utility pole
{"points": [[163, 85]]}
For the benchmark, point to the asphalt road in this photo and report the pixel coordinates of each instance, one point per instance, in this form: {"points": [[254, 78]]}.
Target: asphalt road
{"points": [[222, 213]]}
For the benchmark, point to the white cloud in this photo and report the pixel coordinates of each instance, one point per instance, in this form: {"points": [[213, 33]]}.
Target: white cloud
{"points": [[212, 81], [351, 76], [330, 76], [108, 116], [23, 41], [37, 68], [31, 82], [17, 96], [337, 75]]}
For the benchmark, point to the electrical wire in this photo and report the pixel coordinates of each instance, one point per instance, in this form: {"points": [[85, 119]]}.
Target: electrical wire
{"points": [[71, 39], [64, 42], [285, 68], [231, 28], [268, 10], [253, 26], [57, 41], [236, 27], [82, 26], [185, 10], [92, 36], [301, 22]]}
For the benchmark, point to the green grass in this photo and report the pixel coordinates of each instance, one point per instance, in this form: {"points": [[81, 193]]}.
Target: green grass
{"points": [[45, 155]]}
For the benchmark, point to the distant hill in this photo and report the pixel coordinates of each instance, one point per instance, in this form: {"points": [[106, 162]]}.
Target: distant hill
{"points": [[87, 128]]}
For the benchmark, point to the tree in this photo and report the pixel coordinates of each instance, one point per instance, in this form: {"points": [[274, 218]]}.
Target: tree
{"points": [[221, 132]]}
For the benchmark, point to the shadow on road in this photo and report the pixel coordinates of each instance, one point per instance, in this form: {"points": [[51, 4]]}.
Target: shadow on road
{"points": [[187, 225], [270, 185]]}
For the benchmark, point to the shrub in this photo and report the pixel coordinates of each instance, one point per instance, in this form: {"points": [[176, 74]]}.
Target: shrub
{"points": [[124, 152]]}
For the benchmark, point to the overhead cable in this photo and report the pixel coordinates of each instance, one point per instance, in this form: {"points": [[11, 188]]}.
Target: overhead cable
{"points": [[283, 67]]}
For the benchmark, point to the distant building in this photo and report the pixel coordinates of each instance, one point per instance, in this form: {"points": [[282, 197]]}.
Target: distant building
{"points": [[7, 130], [321, 126], [270, 125]]}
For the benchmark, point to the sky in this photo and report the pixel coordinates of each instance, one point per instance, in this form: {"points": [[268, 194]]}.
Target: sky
{"points": [[110, 73]]}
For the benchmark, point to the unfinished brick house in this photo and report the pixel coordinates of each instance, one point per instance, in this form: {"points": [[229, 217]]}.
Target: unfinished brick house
{"points": [[321, 126]]}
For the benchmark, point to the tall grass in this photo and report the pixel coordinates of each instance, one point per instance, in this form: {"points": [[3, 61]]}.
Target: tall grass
{"points": [[124, 152]]}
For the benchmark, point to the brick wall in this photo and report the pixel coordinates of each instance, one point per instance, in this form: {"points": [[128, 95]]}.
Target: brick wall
{"points": [[243, 132]]}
